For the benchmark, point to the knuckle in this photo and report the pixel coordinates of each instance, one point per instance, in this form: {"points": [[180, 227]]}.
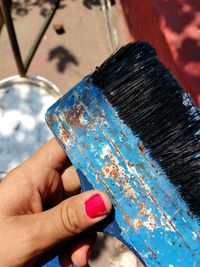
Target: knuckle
{"points": [[70, 219]]}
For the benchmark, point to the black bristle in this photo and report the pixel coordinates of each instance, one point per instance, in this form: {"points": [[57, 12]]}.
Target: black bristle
{"points": [[153, 104]]}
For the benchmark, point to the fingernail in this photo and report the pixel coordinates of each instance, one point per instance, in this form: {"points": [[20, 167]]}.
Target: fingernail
{"points": [[95, 206], [88, 255]]}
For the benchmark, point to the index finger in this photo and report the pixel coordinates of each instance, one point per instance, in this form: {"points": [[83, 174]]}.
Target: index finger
{"points": [[52, 155]]}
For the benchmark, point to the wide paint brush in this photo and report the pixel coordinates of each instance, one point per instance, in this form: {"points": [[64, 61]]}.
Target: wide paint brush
{"points": [[132, 131]]}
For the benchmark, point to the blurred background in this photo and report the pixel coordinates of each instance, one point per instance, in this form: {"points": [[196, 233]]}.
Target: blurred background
{"points": [[80, 36], [84, 32]]}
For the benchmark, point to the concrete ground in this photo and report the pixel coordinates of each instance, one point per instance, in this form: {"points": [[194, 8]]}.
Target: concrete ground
{"points": [[65, 59]]}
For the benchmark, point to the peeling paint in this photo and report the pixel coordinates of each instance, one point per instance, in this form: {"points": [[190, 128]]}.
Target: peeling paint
{"points": [[153, 220]]}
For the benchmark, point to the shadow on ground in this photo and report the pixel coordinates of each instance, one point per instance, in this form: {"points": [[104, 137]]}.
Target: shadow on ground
{"points": [[22, 8], [63, 57]]}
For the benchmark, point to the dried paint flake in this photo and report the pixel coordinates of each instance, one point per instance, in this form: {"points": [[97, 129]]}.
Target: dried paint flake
{"points": [[111, 169], [148, 220], [167, 224], [130, 192], [75, 116], [106, 151], [151, 223]]}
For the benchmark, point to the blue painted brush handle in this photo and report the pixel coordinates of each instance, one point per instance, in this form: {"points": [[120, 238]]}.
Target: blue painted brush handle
{"points": [[150, 217]]}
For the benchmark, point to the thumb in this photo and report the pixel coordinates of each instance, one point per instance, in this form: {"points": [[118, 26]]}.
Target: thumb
{"points": [[69, 218]]}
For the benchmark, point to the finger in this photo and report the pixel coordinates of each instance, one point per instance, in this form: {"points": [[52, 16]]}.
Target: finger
{"points": [[81, 251], [71, 182], [68, 219], [39, 172], [81, 255], [52, 156]]}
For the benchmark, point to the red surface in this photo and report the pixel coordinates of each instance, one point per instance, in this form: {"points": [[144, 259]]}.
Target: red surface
{"points": [[173, 27]]}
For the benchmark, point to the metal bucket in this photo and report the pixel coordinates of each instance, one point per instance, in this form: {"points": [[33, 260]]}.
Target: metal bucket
{"points": [[23, 103]]}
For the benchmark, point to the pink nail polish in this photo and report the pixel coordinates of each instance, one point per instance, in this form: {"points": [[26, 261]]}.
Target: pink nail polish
{"points": [[95, 206]]}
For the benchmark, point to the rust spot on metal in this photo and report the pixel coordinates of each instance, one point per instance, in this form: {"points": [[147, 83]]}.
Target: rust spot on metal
{"points": [[141, 148], [138, 223], [112, 170], [51, 119], [107, 170], [64, 134], [123, 135], [151, 222], [152, 252], [188, 212], [126, 218], [152, 165], [142, 205], [73, 115]]}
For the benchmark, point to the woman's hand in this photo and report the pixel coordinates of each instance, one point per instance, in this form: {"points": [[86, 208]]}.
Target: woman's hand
{"points": [[34, 217]]}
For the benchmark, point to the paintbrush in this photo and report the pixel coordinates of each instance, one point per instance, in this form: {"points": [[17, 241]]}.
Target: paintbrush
{"points": [[132, 131]]}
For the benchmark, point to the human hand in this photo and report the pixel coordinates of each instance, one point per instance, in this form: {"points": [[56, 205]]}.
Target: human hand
{"points": [[34, 217]]}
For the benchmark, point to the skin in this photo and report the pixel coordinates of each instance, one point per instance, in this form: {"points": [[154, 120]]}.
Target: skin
{"points": [[40, 206]]}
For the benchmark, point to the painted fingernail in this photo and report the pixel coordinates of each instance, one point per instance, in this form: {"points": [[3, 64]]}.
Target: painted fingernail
{"points": [[95, 206], [88, 255]]}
